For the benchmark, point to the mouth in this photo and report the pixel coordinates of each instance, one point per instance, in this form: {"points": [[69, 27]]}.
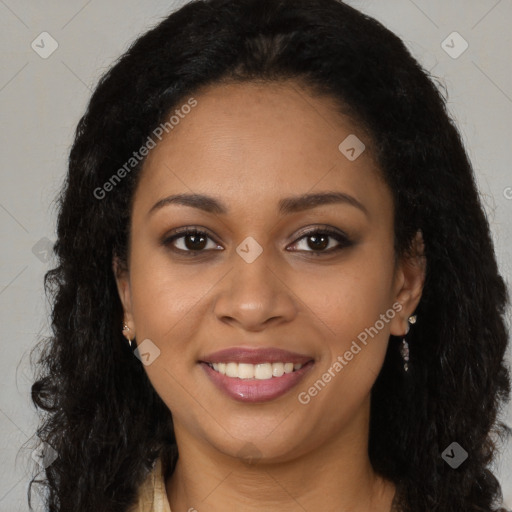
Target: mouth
{"points": [[262, 371], [255, 375]]}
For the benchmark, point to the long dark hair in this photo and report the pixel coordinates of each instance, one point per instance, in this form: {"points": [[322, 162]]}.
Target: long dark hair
{"points": [[100, 412]]}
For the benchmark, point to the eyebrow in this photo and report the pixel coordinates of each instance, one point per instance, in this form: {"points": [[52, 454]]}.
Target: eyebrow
{"points": [[286, 206]]}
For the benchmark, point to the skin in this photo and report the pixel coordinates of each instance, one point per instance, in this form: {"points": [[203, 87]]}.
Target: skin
{"points": [[250, 145]]}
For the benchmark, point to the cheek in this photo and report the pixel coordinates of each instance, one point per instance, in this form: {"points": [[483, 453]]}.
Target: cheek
{"points": [[168, 303], [350, 297], [349, 302], [354, 341], [165, 294]]}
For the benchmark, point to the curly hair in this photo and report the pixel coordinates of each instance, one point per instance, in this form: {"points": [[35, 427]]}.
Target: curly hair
{"points": [[99, 410]]}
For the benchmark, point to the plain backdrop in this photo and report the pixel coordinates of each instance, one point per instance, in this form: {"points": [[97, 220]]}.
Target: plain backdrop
{"points": [[42, 99]]}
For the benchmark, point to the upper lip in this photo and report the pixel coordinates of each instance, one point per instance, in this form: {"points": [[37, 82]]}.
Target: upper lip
{"points": [[256, 356]]}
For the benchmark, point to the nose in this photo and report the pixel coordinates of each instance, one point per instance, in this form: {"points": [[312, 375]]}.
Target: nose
{"points": [[254, 295]]}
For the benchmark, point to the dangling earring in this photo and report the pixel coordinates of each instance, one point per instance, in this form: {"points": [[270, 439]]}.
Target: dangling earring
{"points": [[404, 349], [126, 329]]}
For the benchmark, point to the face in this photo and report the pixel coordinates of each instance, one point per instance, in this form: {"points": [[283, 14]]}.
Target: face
{"points": [[262, 285]]}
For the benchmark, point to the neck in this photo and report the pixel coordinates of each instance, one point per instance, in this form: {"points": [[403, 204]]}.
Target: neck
{"points": [[336, 476]]}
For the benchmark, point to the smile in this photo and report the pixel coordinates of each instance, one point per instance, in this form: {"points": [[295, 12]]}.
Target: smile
{"points": [[262, 371], [255, 375]]}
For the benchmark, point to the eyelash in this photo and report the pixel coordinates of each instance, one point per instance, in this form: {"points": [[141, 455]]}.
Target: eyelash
{"points": [[341, 238]]}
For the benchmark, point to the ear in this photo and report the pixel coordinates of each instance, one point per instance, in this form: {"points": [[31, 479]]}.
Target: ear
{"points": [[408, 284], [122, 278]]}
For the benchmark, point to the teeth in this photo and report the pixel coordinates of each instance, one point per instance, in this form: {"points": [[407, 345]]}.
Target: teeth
{"points": [[232, 370], [277, 369], [262, 371], [245, 371]]}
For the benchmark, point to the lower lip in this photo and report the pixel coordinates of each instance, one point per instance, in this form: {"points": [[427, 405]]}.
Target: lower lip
{"points": [[255, 390]]}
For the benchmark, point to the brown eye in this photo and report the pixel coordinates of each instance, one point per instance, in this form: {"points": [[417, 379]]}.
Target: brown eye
{"points": [[322, 241], [318, 242], [191, 241], [195, 242]]}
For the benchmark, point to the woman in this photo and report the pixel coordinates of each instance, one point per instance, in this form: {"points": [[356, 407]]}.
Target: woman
{"points": [[276, 286]]}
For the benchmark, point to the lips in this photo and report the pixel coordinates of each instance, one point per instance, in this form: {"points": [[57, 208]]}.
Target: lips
{"points": [[255, 375], [256, 356]]}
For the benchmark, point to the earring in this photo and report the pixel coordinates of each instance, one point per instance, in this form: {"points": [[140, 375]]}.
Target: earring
{"points": [[127, 329], [404, 349]]}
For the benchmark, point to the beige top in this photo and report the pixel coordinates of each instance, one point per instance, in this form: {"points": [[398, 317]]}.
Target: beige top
{"points": [[152, 496]]}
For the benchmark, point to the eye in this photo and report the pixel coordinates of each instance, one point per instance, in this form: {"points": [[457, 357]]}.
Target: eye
{"points": [[322, 241], [192, 241]]}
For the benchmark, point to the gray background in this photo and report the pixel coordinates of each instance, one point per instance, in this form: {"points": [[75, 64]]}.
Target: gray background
{"points": [[41, 101]]}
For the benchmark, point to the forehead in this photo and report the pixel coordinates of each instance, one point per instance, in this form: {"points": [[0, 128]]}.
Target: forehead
{"points": [[258, 140]]}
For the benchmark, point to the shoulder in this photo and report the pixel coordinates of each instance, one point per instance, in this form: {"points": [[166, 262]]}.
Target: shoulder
{"points": [[152, 496]]}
